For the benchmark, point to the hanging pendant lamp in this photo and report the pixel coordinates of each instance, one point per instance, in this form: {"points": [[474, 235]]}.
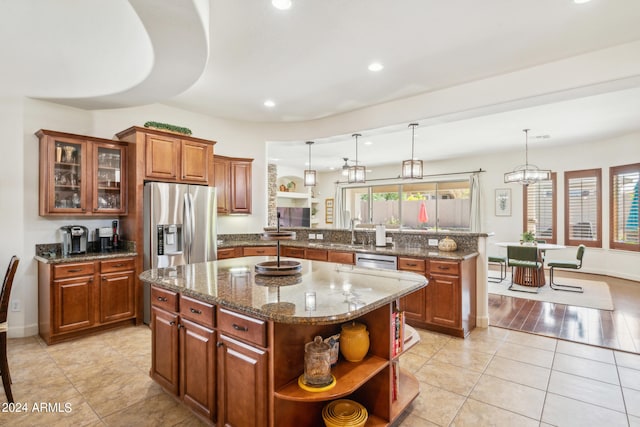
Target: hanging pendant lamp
{"points": [[356, 172], [345, 167], [526, 174], [309, 174], [412, 168]]}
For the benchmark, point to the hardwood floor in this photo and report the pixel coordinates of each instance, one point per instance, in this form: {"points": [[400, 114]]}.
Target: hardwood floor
{"points": [[618, 329]]}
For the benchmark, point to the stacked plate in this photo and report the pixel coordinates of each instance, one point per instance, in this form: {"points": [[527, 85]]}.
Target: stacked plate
{"points": [[344, 413]]}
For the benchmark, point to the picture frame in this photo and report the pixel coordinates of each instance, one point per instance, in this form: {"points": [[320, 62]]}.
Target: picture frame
{"points": [[328, 211], [503, 201]]}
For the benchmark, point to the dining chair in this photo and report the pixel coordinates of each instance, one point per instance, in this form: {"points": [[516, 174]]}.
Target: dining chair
{"points": [[4, 308], [502, 261], [527, 259], [573, 265]]}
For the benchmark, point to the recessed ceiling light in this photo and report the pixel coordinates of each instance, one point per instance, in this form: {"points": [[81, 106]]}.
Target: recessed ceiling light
{"points": [[375, 66], [269, 103], [368, 143], [281, 4], [581, 1]]}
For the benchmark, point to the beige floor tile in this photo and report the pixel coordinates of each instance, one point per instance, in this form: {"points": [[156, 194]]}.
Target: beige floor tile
{"points": [[484, 345], [474, 413], [523, 353], [632, 400], [433, 338], [426, 350], [519, 372], [157, 410], [629, 378], [100, 376], [628, 360], [467, 359], [585, 351], [436, 405], [507, 395], [563, 411], [449, 377], [409, 419], [412, 362], [530, 340], [491, 333], [586, 390], [586, 368]]}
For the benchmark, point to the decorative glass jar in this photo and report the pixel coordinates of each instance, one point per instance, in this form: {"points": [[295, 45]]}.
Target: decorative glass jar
{"points": [[317, 363]]}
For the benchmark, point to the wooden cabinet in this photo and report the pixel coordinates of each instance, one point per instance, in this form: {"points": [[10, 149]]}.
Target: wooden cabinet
{"points": [[415, 304], [164, 349], [316, 254], [81, 175], [259, 251], [341, 257], [233, 184], [292, 251], [225, 253], [78, 298], [198, 368], [172, 158]]}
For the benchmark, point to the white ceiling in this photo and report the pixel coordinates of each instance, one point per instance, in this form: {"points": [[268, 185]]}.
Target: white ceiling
{"points": [[225, 57]]}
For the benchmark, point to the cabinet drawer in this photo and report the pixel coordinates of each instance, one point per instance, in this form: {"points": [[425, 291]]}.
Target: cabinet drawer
{"points": [[316, 254], [341, 257], [244, 327], [292, 252], [260, 250], [444, 267], [113, 265], [162, 298], [411, 264], [199, 311], [73, 270], [227, 253]]}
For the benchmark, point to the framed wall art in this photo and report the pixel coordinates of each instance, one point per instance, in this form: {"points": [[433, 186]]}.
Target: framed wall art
{"points": [[503, 202], [328, 211]]}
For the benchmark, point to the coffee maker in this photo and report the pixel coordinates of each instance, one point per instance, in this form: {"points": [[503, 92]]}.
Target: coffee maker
{"points": [[74, 239], [105, 234]]}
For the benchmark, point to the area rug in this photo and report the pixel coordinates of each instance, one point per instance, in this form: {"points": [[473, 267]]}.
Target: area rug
{"points": [[596, 294]]}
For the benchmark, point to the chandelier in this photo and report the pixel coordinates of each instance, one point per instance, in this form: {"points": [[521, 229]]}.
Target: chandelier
{"points": [[526, 174], [356, 172]]}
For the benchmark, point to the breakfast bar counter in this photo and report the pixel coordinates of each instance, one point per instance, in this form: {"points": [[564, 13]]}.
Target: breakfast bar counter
{"points": [[229, 343]]}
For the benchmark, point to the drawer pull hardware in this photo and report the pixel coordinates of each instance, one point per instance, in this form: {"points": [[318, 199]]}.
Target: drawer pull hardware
{"points": [[442, 267], [412, 264], [180, 326], [118, 265], [240, 328], [162, 299], [75, 270], [194, 311], [173, 322], [219, 344]]}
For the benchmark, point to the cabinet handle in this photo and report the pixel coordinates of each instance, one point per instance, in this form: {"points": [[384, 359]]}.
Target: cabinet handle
{"points": [[240, 328], [194, 311], [75, 270], [172, 323], [259, 252], [118, 265], [412, 264], [442, 267], [84, 210], [90, 279], [180, 326], [162, 299], [219, 344]]}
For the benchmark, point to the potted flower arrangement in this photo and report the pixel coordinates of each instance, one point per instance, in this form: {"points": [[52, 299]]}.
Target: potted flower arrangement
{"points": [[528, 238]]}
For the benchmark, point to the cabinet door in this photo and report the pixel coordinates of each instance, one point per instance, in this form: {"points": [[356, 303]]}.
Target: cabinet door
{"points": [[197, 368], [195, 162], [164, 349], [67, 176], [161, 157], [109, 178], [117, 296], [259, 251], [292, 252], [443, 296], [341, 257], [242, 382], [240, 199], [73, 306], [221, 175], [414, 305], [227, 253]]}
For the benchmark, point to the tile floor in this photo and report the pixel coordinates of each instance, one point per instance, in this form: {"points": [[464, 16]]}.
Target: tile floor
{"points": [[494, 377]]}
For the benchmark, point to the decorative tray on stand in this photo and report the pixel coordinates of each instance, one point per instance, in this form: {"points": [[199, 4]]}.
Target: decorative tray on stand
{"points": [[278, 268]]}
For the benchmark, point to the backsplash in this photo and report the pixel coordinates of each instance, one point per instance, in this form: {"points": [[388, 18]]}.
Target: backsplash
{"points": [[48, 250]]}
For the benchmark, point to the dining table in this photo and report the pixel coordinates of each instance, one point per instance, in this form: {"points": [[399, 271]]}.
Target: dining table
{"points": [[519, 276]]}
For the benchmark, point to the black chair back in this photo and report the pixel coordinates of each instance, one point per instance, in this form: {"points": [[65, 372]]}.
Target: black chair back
{"points": [[6, 287]]}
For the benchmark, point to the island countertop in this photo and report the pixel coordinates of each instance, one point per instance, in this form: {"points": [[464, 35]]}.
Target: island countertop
{"points": [[322, 293]]}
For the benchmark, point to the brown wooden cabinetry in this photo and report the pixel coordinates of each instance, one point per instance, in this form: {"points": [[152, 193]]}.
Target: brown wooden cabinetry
{"points": [[224, 253], [415, 304], [341, 257], [259, 251], [165, 368], [79, 298], [81, 175], [173, 158], [233, 184]]}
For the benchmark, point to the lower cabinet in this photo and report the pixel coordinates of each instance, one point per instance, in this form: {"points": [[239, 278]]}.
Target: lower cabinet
{"points": [[79, 298], [415, 304], [197, 368]]}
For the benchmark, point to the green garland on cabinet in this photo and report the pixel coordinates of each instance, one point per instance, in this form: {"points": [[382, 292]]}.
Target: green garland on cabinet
{"points": [[166, 126]]}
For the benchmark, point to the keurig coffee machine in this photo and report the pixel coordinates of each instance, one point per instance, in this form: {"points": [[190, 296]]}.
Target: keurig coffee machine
{"points": [[74, 239]]}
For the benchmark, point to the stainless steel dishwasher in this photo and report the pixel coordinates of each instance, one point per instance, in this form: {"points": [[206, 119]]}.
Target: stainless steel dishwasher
{"points": [[388, 262]]}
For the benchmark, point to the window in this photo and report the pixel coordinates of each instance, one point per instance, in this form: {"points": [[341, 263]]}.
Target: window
{"points": [[540, 209], [583, 208], [623, 207]]}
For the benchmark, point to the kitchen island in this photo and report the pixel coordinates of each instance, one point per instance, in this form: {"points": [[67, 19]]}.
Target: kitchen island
{"points": [[230, 343]]}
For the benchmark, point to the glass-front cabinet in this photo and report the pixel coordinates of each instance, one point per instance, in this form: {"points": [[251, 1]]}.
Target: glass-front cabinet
{"points": [[81, 175]]}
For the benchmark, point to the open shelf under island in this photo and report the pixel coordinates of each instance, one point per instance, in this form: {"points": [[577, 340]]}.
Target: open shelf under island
{"points": [[230, 343]]}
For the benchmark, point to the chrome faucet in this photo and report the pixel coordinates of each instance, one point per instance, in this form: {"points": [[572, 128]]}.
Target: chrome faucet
{"points": [[353, 230]]}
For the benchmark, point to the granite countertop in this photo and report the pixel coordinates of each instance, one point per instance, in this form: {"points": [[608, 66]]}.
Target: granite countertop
{"points": [[342, 292], [89, 256], [416, 252]]}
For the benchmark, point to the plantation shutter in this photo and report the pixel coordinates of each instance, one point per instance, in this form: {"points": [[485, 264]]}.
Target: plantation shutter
{"points": [[583, 211], [624, 207], [540, 209]]}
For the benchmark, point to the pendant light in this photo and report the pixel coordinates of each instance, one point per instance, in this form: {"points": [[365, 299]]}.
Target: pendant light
{"points": [[526, 174], [356, 172], [345, 167], [412, 168], [309, 174]]}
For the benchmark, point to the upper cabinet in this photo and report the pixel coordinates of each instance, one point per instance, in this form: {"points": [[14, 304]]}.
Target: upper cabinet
{"points": [[172, 158], [81, 175], [233, 184]]}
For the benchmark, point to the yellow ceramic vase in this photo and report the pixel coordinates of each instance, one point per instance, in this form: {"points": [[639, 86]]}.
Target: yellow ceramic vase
{"points": [[354, 341]]}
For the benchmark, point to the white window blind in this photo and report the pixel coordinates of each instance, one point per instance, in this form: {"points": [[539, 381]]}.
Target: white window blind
{"points": [[624, 232], [540, 209], [583, 208]]}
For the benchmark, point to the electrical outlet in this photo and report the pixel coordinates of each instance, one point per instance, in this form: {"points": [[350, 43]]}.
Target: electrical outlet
{"points": [[389, 239], [15, 305], [312, 236], [433, 242], [319, 236]]}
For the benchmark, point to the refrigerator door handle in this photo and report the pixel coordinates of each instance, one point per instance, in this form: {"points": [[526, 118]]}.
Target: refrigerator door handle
{"points": [[187, 235], [191, 217]]}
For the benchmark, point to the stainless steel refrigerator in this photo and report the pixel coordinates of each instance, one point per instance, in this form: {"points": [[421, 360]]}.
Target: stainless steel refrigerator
{"points": [[179, 228]]}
